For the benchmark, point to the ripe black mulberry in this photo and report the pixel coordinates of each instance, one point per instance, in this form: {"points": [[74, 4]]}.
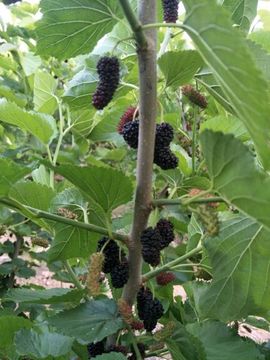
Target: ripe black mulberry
{"points": [[126, 118], [151, 246], [165, 228], [165, 159], [110, 252], [120, 274], [149, 309], [108, 69], [170, 10], [164, 135], [130, 133], [95, 349]]}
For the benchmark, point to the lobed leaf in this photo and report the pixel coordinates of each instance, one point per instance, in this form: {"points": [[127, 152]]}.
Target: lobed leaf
{"points": [[233, 68]]}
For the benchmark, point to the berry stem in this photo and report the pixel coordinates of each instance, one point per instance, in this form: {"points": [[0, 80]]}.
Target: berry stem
{"points": [[161, 202], [171, 264], [134, 23], [72, 275], [147, 110], [194, 139]]}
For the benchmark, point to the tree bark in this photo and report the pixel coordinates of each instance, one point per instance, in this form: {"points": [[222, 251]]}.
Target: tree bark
{"points": [[148, 99]]}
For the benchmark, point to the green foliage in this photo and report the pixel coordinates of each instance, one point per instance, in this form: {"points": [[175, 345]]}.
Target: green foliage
{"points": [[68, 178], [45, 296], [235, 175], [220, 342], [74, 29], [89, 322], [40, 125], [179, 67], [232, 295], [252, 107], [46, 345]]}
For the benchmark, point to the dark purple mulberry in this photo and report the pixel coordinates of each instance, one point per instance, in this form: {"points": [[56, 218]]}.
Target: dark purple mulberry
{"points": [[165, 159], [120, 274], [126, 118], [151, 245], [108, 70], [165, 228], [130, 133], [170, 10], [95, 349], [164, 135], [111, 254], [149, 309]]}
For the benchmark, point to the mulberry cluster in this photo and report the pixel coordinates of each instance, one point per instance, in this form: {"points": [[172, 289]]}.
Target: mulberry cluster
{"points": [[130, 133], [170, 10], [165, 229], [109, 74], [163, 156], [149, 309], [153, 240], [127, 117], [115, 262], [194, 96], [165, 278]]}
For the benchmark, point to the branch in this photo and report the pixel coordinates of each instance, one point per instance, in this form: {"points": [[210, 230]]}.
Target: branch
{"points": [[134, 23], [40, 214], [161, 202], [148, 100], [171, 264], [78, 224]]}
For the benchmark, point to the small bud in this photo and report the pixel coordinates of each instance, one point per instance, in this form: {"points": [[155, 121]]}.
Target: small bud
{"points": [[194, 96], [209, 219], [3, 230], [95, 268], [125, 311], [67, 213], [137, 325], [39, 241], [157, 346], [165, 332]]}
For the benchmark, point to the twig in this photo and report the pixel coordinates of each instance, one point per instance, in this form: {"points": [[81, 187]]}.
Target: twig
{"points": [[134, 23], [171, 264]]}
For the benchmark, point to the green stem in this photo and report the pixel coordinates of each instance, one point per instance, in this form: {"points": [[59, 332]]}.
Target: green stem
{"points": [[171, 264], [33, 212], [158, 25], [73, 275], [134, 343], [61, 135], [165, 42], [90, 227], [161, 202], [194, 140], [134, 23]]}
